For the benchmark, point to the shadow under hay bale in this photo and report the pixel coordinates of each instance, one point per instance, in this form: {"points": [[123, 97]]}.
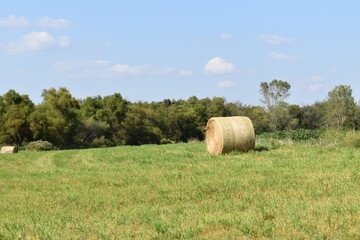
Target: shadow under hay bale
{"points": [[227, 134], [9, 150]]}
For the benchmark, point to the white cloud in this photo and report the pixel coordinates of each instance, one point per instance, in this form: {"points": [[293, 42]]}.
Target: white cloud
{"points": [[80, 69], [315, 87], [185, 73], [14, 22], [104, 69], [33, 42], [123, 70], [316, 78], [226, 84], [283, 57], [225, 36], [218, 65], [49, 22], [275, 40]]}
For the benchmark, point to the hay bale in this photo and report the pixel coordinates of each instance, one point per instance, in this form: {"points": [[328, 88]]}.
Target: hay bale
{"points": [[226, 134], [9, 150]]}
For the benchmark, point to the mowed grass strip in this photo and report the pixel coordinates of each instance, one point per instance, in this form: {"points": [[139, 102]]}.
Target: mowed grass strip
{"points": [[180, 191]]}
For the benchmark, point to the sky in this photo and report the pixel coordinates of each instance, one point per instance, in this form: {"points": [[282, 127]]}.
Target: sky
{"points": [[167, 49]]}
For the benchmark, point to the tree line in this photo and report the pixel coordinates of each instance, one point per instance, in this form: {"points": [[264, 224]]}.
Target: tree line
{"points": [[97, 121]]}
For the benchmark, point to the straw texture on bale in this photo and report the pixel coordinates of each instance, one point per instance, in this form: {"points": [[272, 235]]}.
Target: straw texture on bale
{"points": [[9, 150], [227, 134]]}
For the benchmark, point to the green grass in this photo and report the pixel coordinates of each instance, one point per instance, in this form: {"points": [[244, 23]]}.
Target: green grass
{"points": [[180, 191]]}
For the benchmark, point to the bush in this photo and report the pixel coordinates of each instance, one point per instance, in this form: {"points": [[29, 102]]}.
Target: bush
{"points": [[295, 135], [102, 142], [40, 145], [21, 148], [352, 139], [332, 137], [260, 148], [304, 134], [166, 141]]}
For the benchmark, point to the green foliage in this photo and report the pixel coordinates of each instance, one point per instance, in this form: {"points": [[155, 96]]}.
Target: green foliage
{"points": [[352, 139], [295, 135], [103, 117], [332, 137], [260, 148], [257, 114], [112, 120], [341, 108], [166, 141], [312, 116], [38, 146], [95, 133], [113, 110], [15, 110], [274, 92], [101, 142], [139, 128], [56, 119]]}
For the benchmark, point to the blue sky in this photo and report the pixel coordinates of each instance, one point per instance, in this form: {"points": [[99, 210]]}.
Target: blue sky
{"points": [[152, 50]]}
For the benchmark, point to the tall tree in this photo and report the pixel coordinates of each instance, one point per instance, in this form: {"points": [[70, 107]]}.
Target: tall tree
{"points": [[313, 116], [139, 127], [217, 108], [56, 119], [15, 110], [274, 94], [341, 108], [113, 112]]}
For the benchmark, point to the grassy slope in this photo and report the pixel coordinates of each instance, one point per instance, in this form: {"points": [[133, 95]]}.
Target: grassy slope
{"points": [[180, 191]]}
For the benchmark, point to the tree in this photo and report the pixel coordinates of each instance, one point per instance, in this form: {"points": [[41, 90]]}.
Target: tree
{"points": [[113, 112], [259, 118], [90, 107], [56, 119], [95, 133], [139, 127], [217, 108], [313, 116], [295, 116], [15, 110], [274, 94], [94, 127], [341, 108]]}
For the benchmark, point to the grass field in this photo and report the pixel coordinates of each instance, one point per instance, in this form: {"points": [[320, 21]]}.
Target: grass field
{"points": [[180, 191]]}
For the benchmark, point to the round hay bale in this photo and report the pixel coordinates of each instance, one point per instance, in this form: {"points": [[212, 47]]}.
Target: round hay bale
{"points": [[9, 150], [226, 134]]}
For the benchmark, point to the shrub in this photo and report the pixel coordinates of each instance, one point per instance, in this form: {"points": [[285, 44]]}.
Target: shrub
{"points": [[304, 134], [260, 148], [21, 148], [102, 142], [295, 135], [351, 139], [37, 146], [166, 141], [332, 137]]}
